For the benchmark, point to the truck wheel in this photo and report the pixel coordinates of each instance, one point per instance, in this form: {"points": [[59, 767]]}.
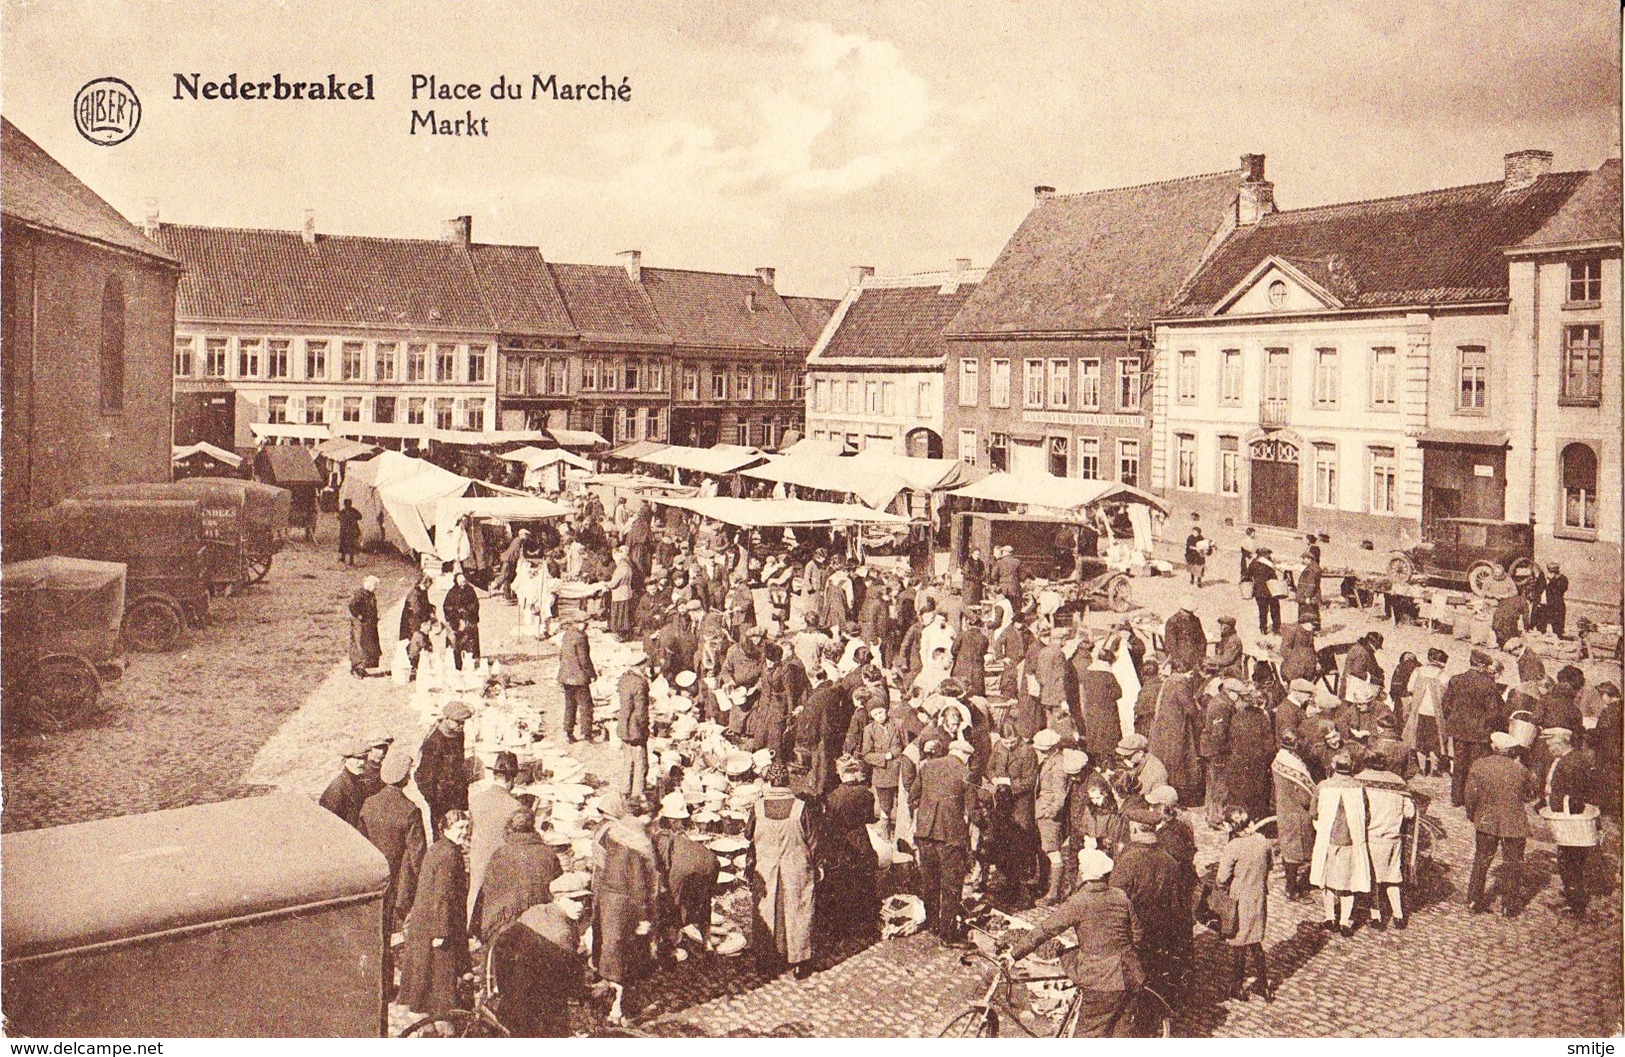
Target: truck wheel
{"points": [[65, 687], [153, 624], [1481, 576], [256, 570], [1401, 568], [1522, 567]]}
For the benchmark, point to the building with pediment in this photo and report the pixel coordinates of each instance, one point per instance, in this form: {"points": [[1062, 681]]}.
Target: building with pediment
{"points": [[1354, 369]]}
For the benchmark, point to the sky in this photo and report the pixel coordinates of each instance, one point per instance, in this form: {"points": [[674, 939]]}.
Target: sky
{"points": [[805, 136]]}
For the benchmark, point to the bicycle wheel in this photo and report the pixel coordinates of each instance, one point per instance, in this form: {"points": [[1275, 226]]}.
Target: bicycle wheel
{"points": [[454, 1024], [977, 1022]]}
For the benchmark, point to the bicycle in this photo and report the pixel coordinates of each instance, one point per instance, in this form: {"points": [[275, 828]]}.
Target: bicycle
{"points": [[983, 1019]]}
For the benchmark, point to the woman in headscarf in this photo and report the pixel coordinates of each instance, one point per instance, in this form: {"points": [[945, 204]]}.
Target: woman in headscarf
{"points": [[1097, 818], [365, 649], [435, 954], [847, 899], [1298, 657], [626, 894], [782, 853], [620, 595], [1244, 871]]}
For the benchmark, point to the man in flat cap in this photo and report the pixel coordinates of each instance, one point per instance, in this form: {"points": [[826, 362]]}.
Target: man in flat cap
{"points": [[488, 813], [1151, 879], [394, 824], [1568, 784], [538, 957], [1494, 797], [576, 673], [346, 793], [1470, 708], [442, 776], [1554, 609]]}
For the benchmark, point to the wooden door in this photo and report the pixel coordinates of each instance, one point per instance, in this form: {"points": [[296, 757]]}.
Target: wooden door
{"points": [[1274, 491]]}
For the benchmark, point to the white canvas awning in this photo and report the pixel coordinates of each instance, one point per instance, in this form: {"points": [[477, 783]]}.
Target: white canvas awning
{"points": [[535, 457], [452, 509], [293, 430], [343, 449], [578, 438], [779, 513], [1053, 493], [203, 447], [722, 459]]}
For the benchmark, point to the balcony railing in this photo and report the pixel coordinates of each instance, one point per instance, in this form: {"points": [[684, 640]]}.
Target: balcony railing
{"points": [[1274, 412]]}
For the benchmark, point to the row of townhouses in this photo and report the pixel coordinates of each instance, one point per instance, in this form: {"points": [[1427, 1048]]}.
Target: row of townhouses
{"points": [[389, 337], [1362, 369]]}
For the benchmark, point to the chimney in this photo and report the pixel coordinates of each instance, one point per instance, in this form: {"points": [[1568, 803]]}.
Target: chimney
{"points": [[1256, 198], [766, 275], [149, 225], [956, 275], [1524, 167], [1042, 194], [856, 274], [458, 230], [309, 233], [632, 261]]}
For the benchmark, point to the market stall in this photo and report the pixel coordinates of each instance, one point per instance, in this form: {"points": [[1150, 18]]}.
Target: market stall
{"points": [[203, 460], [546, 468]]}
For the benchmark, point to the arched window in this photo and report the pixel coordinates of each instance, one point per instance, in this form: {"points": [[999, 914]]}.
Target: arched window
{"points": [[1580, 488], [112, 353]]}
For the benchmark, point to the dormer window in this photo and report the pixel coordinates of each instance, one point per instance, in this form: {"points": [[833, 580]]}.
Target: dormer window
{"points": [[750, 300]]}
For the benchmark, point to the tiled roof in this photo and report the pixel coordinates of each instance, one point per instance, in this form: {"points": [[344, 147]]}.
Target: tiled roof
{"points": [[237, 273], [1097, 260], [36, 189], [812, 313], [898, 319], [519, 291], [1430, 248], [1592, 213], [605, 305], [714, 309]]}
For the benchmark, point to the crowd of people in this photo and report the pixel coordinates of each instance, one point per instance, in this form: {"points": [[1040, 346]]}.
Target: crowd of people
{"points": [[997, 751]]}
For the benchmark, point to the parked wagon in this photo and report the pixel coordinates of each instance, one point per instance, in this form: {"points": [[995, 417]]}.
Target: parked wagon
{"points": [[244, 523], [62, 618], [290, 466], [161, 543], [1048, 549]]}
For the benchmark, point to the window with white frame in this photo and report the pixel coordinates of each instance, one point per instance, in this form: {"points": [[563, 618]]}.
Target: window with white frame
{"points": [[1326, 378], [631, 376], [184, 351], [967, 447], [1187, 377], [998, 452], [1057, 457], [998, 384], [1325, 475], [1581, 382], [1089, 458], [888, 398], [384, 354], [445, 365], [1089, 384], [628, 423], [352, 366], [417, 363], [315, 408], [1128, 391], [1185, 461], [445, 412], [969, 382], [351, 411], [820, 394], [770, 384], [474, 414], [248, 357], [1579, 469], [798, 386], [747, 385], [925, 399], [276, 409], [478, 358], [1384, 379], [1128, 461], [1229, 466], [278, 357], [742, 432], [1230, 377], [719, 383], [691, 383], [416, 409], [383, 409], [654, 376], [871, 398], [1474, 368], [1278, 379], [854, 397], [1033, 391], [558, 376], [1060, 385], [657, 424], [1384, 481], [1585, 280], [215, 351]]}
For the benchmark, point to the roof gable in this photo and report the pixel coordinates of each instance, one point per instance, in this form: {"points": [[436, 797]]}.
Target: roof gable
{"points": [[812, 313], [721, 309], [1429, 248], [38, 190], [605, 305], [901, 319], [277, 276], [519, 291], [1101, 259], [1591, 215], [1305, 286]]}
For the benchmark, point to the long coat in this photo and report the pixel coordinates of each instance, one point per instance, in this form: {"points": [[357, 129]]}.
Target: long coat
{"points": [[782, 875], [429, 973], [1150, 878], [970, 659], [488, 813], [1102, 724], [1294, 802], [1298, 657], [415, 609], [394, 824], [1184, 641], [575, 659], [442, 776], [365, 649], [626, 891], [516, 879], [1252, 748], [1244, 865], [689, 872], [1496, 789], [1175, 730]]}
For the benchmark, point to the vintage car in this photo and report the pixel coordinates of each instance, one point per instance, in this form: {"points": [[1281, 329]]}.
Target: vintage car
{"points": [[1048, 548], [1472, 551]]}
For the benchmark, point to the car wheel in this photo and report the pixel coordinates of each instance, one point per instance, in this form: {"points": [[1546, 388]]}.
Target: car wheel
{"points": [[1482, 575], [1401, 568]]}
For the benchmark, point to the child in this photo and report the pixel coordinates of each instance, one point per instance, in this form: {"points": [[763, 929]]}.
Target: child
{"points": [[422, 642], [882, 749]]}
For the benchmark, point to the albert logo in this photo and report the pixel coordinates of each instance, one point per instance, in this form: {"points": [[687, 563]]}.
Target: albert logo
{"points": [[106, 111]]}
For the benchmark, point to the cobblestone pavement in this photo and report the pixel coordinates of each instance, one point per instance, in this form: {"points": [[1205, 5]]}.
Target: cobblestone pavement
{"points": [[258, 702]]}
